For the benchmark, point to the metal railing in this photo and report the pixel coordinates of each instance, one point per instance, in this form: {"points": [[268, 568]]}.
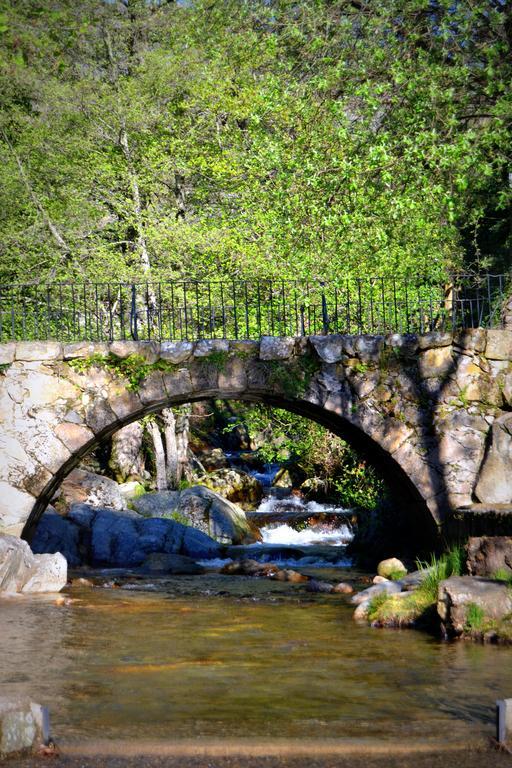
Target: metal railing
{"points": [[247, 309]]}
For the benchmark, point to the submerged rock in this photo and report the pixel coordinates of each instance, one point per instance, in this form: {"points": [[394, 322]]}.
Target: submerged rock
{"points": [[22, 571], [386, 588], [159, 562], [319, 586], [343, 588]]}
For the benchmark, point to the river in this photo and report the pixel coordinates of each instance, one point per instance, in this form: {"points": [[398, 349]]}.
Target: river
{"points": [[190, 659]]}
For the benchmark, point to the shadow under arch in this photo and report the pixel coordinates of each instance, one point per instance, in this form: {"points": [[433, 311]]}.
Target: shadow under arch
{"points": [[415, 510]]}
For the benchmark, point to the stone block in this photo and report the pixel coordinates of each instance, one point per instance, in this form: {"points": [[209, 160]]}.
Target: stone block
{"points": [[368, 347], [233, 377], [30, 351], [99, 415], [328, 348], [83, 349], [178, 382], [245, 347], [437, 361], [15, 508], [471, 339], [499, 344], [434, 340], [74, 436], [149, 350], [406, 344], [494, 484], [24, 725], [152, 389], [208, 346], [7, 352], [274, 348], [176, 352]]}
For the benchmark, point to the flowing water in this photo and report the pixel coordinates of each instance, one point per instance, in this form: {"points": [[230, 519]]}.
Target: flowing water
{"points": [[232, 657]]}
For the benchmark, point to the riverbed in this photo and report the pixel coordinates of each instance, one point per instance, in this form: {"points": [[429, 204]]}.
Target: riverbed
{"points": [[214, 658]]}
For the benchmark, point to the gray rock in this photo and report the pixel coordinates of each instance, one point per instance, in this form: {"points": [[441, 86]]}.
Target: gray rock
{"points": [[82, 487], [489, 554], [176, 352], [31, 351], [369, 347], [385, 588], [7, 352], [214, 515], [22, 571], [319, 586], [159, 562], [24, 725], [198, 545], [274, 348], [207, 346], [434, 339], [457, 593], [328, 348], [494, 484], [158, 504]]}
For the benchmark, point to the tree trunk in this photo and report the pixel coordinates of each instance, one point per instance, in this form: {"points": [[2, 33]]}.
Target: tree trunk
{"points": [[126, 458], [182, 432], [171, 448], [161, 470]]}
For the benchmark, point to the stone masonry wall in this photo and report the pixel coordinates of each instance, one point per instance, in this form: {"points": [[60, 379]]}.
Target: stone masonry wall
{"points": [[437, 409]]}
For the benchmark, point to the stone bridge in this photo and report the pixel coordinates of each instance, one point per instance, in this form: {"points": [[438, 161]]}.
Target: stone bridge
{"points": [[432, 413]]}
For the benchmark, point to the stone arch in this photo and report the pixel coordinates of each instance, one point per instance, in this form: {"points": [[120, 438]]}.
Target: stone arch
{"points": [[419, 408], [382, 460]]}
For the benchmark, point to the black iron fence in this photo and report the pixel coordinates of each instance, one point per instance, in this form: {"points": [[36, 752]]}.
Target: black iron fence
{"points": [[247, 309]]}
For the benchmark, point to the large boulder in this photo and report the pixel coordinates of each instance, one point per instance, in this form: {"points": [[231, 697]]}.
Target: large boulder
{"points": [[486, 555], [211, 513], [494, 484], [22, 571], [85, 487], [234, 485], [120, 538], [157, 504], [56, 533], [458, 594], [24, 725]]}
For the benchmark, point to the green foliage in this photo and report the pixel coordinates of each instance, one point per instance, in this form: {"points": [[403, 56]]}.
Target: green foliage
{"points": [[179, 517], [296, 140], [133, 368], [475, 617], [451, 563], [217, 359], [4, 367], [502, 574], [397, 575], [313, 451]]}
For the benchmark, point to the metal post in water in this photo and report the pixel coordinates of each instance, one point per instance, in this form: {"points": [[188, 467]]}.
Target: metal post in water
{"points": [[503, 720]]}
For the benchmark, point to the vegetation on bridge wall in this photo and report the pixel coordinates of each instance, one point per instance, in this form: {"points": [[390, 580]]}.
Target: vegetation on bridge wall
{"points": [[253, 138]]}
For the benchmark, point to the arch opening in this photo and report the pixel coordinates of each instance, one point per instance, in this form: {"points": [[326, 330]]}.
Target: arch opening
{"points": [[417, 520]]}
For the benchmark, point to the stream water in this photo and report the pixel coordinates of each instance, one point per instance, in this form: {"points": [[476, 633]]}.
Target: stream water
{"points": [[234, 657]]}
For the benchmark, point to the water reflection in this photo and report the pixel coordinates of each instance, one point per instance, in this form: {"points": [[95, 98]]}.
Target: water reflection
{"points": [[264, 660]]}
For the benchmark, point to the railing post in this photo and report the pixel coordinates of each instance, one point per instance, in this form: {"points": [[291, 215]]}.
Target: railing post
{"points": [[325, 316], [133, 315]]}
